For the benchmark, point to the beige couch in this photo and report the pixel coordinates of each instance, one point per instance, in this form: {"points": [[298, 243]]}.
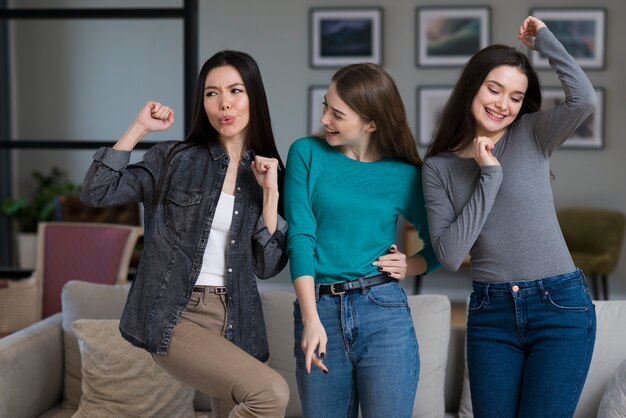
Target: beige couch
{"points": [[40, 365]]}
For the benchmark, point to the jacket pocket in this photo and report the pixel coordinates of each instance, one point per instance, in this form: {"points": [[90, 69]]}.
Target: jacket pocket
{"points": [[181, 208]]}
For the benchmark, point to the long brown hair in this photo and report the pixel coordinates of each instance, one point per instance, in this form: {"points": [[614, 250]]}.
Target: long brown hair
{"points": [[456, 126], [371, 92]]}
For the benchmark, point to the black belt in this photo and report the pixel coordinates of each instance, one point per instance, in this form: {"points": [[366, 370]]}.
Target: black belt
{"points": [[342, 287], [218, 290]]}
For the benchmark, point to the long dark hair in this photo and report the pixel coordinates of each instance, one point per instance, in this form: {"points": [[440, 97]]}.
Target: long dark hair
{"points": [[456, 126], [371, 92]]}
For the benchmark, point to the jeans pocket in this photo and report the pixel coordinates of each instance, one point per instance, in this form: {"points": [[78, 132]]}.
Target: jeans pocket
{"points": [[388, 295], [476, 301], [572, 298], [193, 304]]}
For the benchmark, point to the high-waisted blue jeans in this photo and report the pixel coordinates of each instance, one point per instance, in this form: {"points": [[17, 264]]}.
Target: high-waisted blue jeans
{"points": [[372, 356], [529, 346]]}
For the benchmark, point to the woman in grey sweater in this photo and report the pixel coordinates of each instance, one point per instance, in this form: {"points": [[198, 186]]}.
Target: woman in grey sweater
{"points": [[531, 323]]}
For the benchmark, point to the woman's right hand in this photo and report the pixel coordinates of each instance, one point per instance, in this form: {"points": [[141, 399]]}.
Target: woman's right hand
{"points": [[314, 339], [152, 117], [483, 146]]}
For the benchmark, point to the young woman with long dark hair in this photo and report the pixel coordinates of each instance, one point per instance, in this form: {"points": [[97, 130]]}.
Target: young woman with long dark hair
{"points": [[211, 229], [531, 323]]}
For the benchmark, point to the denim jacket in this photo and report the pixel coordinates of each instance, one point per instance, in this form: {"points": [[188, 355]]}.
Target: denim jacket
{"points": [[180, 191]]}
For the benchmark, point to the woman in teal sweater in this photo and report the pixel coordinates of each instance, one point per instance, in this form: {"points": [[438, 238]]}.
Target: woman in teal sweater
{"points": [[344, 192]]}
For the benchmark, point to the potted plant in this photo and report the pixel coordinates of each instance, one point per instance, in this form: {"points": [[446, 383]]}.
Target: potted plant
{"points": [[28, 213]]}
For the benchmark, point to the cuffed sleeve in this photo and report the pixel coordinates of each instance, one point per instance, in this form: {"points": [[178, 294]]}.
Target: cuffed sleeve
{"points": [[269, 249]]}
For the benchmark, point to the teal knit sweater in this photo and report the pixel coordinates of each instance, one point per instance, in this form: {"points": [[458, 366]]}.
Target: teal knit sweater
{"points": [[342, 213]]}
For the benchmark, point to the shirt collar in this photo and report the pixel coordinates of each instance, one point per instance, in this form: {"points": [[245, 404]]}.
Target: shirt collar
{"points": [[218, 152]]}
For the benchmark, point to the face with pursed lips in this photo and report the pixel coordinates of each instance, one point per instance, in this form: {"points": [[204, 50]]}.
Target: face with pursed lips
{"points": [[226, 102]]}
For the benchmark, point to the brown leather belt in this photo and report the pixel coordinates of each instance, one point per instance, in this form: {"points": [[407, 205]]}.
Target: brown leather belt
{"points": [[343, 287], [218, 290]]}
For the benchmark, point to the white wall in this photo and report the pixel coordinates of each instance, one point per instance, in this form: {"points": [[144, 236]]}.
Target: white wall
{"points": [[87, 79]]}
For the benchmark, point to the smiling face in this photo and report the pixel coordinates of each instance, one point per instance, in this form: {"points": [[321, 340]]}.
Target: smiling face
{"points": [[498, 100], [344, 127], [226, 103]]}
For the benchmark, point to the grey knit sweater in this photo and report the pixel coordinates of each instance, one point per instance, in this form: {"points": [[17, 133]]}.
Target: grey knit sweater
{"points": [[504, 216]]}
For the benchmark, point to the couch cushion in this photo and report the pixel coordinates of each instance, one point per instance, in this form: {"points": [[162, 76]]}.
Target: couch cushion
{"points": [[82, 300], [613, 403], [119, 379], [431, 316], [609, 352]]}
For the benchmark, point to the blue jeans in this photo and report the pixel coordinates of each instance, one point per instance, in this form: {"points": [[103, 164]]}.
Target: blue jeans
{"points": [[529, 346], [372, 356]]}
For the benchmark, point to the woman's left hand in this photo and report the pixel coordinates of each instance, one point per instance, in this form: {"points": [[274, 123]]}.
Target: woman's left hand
{"points": [[266, 172], [528, 30], [393, 263]]}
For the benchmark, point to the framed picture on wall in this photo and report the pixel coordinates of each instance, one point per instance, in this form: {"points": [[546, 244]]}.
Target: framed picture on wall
{"points": [[590, 134], [316, 104], [340, 36], [430, 103], [581, 31], [449, 36]]}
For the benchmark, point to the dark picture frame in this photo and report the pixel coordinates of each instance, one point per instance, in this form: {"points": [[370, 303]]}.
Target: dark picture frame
{"points": [[345, 35], [582, 31], [448, 36], [590, 134]]}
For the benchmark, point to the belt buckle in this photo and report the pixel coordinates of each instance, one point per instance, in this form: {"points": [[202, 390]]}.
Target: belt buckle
{"points": [[220, 290], [333, 291]]}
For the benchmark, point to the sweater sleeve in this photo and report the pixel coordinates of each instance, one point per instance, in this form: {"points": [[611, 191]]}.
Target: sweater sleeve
{"points": [[453, 235], [554, 126], [301, 236], [417, 216]]}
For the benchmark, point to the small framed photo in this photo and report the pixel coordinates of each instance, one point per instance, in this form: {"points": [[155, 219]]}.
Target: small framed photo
{"points": [[341, 36], [581, 31], [449, 36], [590, 134], [430, 103], [316, 104]]}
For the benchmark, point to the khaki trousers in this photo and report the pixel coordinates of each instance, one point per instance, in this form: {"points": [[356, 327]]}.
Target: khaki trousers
{"points": [[200, 356]]}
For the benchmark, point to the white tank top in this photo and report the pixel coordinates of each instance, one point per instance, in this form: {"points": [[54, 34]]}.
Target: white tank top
{"points": [[213, 268]]}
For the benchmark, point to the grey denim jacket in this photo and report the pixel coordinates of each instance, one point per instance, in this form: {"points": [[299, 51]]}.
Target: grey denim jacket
{"points": [[179, 184]]}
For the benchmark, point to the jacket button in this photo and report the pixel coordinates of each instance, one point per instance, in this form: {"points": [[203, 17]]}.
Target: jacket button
{"points": [[230, 270], [232, 241], [236, 212]]}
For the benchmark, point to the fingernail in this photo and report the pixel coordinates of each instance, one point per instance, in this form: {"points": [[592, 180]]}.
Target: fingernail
{"points": [[374, 263], [322, 355], [325, 371], [380, 269]]}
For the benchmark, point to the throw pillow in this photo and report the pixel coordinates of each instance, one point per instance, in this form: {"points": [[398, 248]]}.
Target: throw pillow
{"points": [[84, 300], [119, 379], [613, 403]]}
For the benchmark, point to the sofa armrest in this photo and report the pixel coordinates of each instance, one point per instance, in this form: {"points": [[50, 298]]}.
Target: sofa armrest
{"points": [[31, 369]]}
